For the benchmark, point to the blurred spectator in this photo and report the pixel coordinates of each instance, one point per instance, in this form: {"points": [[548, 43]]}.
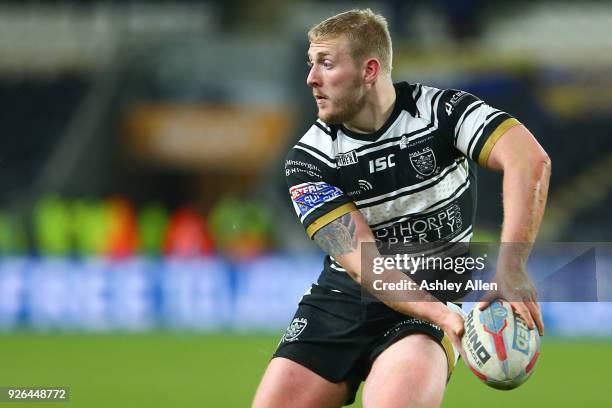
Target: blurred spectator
{"points": [[52, 226], [122, 235], [152, 222], [91, 226], [241, 229], [186, 235], [12, 235]]}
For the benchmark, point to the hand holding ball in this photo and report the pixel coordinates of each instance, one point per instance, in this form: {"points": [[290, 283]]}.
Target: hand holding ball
{"points": [[499, 347]]}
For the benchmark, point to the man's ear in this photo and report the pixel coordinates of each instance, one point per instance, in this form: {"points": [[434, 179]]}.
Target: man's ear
{"points": [[371, 70]]}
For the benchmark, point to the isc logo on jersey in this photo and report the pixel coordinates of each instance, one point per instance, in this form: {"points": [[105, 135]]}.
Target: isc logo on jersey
{"points": [[382, 163], [309, 196]]}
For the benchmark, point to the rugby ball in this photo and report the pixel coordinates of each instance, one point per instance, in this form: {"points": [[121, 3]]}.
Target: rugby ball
{"points": [[499, 347]]}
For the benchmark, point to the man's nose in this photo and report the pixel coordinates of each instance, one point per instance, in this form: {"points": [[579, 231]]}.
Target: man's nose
{"points": [[312, 80]]}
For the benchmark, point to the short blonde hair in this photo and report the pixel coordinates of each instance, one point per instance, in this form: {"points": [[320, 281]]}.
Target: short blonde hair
{"points": [[367, 34]]}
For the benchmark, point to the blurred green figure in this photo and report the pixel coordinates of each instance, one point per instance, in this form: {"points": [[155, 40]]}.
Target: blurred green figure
{"points": [[152, 222], [53, 226], [12, 235], [241, 228], [90, 226]]}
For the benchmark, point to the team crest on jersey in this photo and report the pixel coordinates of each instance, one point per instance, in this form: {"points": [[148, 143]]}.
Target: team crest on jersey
{"points": [[296, 328], [423, 161]]}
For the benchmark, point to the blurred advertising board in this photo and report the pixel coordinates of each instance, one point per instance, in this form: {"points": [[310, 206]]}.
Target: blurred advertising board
{"points": [[140, 294], [207, 136], [201, 294]]}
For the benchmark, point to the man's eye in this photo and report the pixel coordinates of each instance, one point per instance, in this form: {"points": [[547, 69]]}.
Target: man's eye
{"points": [[327, 64], [309, 64]]}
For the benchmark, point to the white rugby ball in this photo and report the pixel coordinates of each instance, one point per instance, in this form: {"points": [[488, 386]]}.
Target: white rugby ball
{"points": [[500, 349]]}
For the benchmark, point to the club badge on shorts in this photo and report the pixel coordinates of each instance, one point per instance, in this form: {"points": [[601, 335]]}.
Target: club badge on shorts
{"points": [[296, 327]]}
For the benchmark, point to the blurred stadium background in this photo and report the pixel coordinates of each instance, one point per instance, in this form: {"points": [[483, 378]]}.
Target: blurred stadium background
{"points": [[149, 255]]}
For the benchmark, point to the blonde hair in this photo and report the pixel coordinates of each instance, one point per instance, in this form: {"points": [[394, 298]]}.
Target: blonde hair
{"points": [[367, 34]]}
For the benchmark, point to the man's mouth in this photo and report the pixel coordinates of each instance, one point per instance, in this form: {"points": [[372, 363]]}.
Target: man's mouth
{"points": [[320, 100]]}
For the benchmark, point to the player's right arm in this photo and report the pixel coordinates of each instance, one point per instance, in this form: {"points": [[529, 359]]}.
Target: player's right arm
{"points": [[345, 239]]}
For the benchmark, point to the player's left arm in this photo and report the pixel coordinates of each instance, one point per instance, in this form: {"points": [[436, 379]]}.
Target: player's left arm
{"points": [[526, 171]]}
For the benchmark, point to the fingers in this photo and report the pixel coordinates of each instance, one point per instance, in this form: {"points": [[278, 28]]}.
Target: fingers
{"points": [[459, 324], [460, 330], [530, 312], [536, 314], [523, 311], [454, 328], [455, 332], [489, 298]]}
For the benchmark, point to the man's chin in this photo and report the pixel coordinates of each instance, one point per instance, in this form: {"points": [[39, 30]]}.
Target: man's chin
{"points": [[330, 119]]}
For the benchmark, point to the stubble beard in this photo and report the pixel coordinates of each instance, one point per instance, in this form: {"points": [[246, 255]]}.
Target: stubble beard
{"points": [[347, 107]]}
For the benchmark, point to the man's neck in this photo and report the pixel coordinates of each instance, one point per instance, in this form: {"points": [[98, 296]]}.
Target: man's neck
{"points": [[378, 108]]}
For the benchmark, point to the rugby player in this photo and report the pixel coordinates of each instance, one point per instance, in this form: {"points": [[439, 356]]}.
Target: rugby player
{"points": [[381, 158]]}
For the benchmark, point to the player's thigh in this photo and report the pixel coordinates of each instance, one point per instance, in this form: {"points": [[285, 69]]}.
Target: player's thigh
{"points": [[289, 384], [412, 372]]}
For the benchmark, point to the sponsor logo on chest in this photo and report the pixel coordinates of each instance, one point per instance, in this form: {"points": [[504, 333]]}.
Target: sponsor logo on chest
{"points": [[444, 224], [346, 159]]}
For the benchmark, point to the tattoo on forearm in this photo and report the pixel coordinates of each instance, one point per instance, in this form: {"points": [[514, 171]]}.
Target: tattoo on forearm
{"points": [[338, 237]]}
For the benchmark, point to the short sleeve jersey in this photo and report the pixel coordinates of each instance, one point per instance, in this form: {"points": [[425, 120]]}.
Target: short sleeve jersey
{"points": [[410, 179]]}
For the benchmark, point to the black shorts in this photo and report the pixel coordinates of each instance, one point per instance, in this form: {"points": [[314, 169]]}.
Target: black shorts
{"points": [[339, 336]]}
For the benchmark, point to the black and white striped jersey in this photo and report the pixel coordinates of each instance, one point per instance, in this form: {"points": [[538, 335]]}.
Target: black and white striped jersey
{"points": [[410, 179]]}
